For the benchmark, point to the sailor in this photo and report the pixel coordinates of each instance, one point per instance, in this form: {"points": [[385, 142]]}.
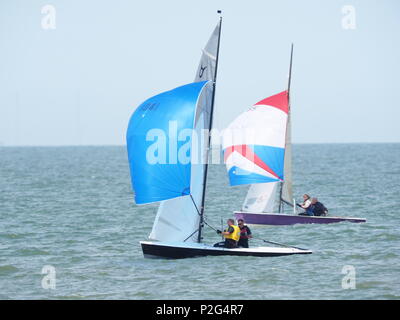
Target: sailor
{"points": [[306, 205], [318, 208], [231, 235], [245, 234]]}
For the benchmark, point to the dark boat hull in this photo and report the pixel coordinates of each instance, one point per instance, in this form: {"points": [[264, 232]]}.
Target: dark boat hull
{"points": [[286, 219], [176, 251]]}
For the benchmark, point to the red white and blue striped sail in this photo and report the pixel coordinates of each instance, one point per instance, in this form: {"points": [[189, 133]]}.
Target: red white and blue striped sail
{"points": [[254, 143]]}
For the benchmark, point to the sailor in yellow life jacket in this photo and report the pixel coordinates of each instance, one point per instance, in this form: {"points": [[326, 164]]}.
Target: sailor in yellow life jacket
{"points": [[231, 234]]}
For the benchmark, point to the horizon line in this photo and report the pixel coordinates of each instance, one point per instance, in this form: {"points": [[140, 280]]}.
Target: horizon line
{"points": [[124, 145]]}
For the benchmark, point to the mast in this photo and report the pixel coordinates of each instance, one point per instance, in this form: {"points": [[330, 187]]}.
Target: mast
{"points": [[201, 222], [281, 201], [290, 74]]}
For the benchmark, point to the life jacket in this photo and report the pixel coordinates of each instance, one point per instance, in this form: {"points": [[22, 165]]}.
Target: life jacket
{"points": [[235, 235], [243, 233], [319, 209]]}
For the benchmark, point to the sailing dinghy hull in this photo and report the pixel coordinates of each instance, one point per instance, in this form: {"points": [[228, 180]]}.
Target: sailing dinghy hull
{"points": [[286, 219], [190, 250]]}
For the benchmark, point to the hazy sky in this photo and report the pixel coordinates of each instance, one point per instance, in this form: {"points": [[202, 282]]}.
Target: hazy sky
{"points": [[79, 83]]}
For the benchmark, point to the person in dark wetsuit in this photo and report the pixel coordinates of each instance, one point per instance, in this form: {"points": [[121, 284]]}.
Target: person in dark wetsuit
{"points": [[318, 208], [245, 234]]}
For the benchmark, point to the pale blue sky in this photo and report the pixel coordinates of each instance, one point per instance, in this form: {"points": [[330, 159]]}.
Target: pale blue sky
{"points": [[79, 84]]}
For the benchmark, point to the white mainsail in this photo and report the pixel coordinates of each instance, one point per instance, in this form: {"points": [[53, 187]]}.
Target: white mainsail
{"points": [[178, 219], [261, 197], [287, 193]]}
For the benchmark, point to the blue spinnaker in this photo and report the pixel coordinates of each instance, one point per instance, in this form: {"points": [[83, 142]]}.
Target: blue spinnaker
{"points": [[159, 144]]}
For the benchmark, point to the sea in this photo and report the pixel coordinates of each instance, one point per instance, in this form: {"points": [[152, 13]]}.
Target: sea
{"points": [[69, 229]]}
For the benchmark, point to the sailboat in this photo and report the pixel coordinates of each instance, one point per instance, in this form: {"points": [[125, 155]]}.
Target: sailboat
{"points": [[258, 151], [168, 159]]}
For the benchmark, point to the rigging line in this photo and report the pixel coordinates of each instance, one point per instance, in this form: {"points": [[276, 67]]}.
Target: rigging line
{"points": [[279, 244], [287, 202], [191, 234], [194, 203], [205, 222]]}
